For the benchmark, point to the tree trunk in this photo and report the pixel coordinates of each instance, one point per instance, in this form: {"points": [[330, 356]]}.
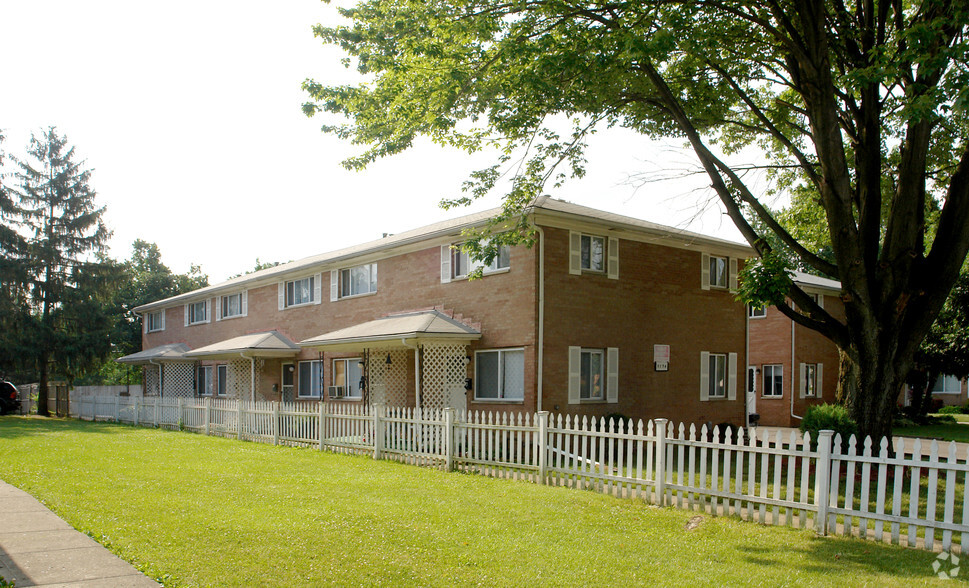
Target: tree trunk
{"points": [[882, 380], [847, 379], [42, 392]]}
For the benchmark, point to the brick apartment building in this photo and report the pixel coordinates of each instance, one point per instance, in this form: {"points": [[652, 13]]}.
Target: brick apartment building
{"points": [[605, 314]]}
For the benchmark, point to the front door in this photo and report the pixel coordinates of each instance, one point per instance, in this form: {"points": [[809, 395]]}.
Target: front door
{"points": [[289, 377], [751, 391]]}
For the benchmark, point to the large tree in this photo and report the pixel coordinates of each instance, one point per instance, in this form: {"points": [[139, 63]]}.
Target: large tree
{"points": [[54, 207], [863, 104]]}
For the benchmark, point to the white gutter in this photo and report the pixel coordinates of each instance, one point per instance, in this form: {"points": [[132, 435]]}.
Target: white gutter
{"points": [[747, 368], [541, 313]]}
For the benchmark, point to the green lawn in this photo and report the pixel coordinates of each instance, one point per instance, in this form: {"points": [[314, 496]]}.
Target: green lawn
{"points": [[195, 510], [958, 431]]}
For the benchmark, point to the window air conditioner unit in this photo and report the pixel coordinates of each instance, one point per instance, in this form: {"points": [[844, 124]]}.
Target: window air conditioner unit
{"points": [[335, 392]]}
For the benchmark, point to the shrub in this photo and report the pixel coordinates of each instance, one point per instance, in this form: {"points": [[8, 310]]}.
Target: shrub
{"points": [[828, 416], [952, 410]]}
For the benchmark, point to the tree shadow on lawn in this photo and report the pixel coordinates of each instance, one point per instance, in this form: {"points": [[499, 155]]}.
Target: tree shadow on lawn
{"points": [[836, 555], [12, 426]]}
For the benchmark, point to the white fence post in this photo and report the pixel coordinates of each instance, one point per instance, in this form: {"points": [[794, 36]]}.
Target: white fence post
{"points": [[155, 412], [239, 419], [660, 482], [208, 414], [275, 407], [378, 430], [823, 476], [448, 439], [541, 442], [322, 423]]}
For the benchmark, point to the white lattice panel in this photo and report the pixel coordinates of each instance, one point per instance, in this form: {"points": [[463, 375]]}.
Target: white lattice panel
{"points": [[179, 380], [239, 379], [388, 383], [442, 375], [151, 381]]}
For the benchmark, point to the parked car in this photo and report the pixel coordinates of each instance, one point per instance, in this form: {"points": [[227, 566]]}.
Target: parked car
{"points": [[9, 402]]}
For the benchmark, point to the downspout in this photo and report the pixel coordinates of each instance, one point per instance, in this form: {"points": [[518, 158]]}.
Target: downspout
{"points": [[417, 370], [252, 375], [541, 313], [792, 373], [747, 367]]}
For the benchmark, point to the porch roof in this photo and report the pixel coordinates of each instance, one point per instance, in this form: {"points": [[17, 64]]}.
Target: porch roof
{"points": [[399, 330], [167, 352], [265, 344]]}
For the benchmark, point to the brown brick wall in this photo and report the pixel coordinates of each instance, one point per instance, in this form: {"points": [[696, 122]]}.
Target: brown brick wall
{"points": [[657, 300]]}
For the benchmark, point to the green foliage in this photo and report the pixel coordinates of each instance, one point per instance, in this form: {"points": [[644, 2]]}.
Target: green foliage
{"points": [[764, 281], [835, 417], [260, 265], [952, 410]]}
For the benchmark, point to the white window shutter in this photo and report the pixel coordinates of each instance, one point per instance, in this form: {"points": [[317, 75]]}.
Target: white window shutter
{"points": [[575, 253], [731, 376], [282, 295], [613, 267], [144, 322], [612, 374], [163, 319], [704, 376], [820, 301], [334, 285], [575, 373], [186, 315], [317, 288], [733, 273], [218, 309], [801, 379], [819, 377], [705, 271], [445, 264], [245, 303]]}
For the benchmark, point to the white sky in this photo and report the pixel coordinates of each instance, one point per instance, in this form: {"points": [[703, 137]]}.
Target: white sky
{"points": [[189, 114]]}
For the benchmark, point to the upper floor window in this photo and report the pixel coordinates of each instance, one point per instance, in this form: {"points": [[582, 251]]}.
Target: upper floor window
{"points": [[463, 264], [593, 253], [358, 280], [500, 375], [156, 321], [756, 311], [198, 312], [300, 291], [718, 271], [231, 305]]}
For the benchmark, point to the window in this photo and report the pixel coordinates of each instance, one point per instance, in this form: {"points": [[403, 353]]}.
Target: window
{"points": [[223, 374], [358, 280], [348, 374], [591, 375], [197, 312], [717, 369], [809, 380], [310, 382], [499, 375], [773, 380], [156, 321], [203, 384], [947, 385], [756, 311], [300, 291], [462, 264], [718, 272], [593, 251], [231, 305]]}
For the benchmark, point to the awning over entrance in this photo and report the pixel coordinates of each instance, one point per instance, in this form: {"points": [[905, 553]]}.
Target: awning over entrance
{"points": [[168, 352], [398, 330], [266, 344]]}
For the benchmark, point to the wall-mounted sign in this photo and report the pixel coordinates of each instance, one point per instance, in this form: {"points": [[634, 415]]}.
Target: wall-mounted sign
{"points": [[661, 357], [662, 366]]}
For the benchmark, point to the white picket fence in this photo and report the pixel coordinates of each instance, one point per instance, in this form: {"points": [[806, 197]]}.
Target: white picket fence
{"points": [[896, 495]]}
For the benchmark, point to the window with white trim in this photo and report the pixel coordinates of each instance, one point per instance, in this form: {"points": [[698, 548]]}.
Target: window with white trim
{"points": [[591, 375], [773, 380], [717, 370], [310, 383], [499, 374], [719, 272], [947, 385], [756, 311], [198, 312], [358, 280], [203, 382], [222, 377], [463, 264], [156, 321], [809, 380], [300, 291], [592, 251], [348, 374], [231, 305]]}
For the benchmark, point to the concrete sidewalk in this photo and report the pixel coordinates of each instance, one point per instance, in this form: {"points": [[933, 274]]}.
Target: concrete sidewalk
{"points": [[37, 548]]}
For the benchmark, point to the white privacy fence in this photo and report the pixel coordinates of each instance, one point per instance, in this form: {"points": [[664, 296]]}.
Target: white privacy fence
{"points": [[886, 493]]}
